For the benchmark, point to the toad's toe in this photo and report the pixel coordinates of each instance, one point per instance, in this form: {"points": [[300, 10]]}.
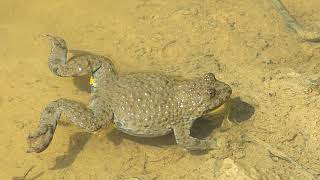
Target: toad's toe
{"points": [[39, 140]]}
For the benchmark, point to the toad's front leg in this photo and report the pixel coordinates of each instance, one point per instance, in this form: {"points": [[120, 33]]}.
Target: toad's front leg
{"points": [[89, 119], [183, 138]]}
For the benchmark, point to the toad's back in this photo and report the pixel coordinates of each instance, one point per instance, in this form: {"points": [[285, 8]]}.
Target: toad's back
{"points": [[143, 103]]}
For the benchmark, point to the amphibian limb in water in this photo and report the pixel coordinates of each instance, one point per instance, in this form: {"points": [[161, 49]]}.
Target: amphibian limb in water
{"points": [[140, 104]]}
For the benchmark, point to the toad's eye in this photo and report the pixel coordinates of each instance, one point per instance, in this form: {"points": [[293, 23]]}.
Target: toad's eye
{"points": [[211, 92]]}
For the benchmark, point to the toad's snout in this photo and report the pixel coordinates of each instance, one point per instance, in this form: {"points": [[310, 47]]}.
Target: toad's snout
{"points": [[224, 91]]}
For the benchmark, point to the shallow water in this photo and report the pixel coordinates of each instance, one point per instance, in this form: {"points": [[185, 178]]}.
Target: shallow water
{"points": [[274, 76]]}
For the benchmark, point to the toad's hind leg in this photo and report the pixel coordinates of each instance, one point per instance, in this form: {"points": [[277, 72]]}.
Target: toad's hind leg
{"points": [[77, 65], [89, 119], [183, 138]]}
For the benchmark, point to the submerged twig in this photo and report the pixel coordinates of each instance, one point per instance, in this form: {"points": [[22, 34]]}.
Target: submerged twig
{"points": [[312, 36], [274, 152], [24, 176]]}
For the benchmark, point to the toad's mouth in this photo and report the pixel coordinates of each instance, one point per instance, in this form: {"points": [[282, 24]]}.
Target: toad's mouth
{"points": [[220, 109]]}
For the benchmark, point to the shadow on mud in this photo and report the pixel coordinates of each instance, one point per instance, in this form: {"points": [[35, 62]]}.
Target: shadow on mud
{"points": [[240, 111], [77, 143], [82, 83]]}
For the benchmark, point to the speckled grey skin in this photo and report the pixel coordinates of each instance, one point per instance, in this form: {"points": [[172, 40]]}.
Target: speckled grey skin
{"points": [[140, 104]]}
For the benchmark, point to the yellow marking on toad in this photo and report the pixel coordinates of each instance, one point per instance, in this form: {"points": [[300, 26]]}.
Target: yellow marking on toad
{"points": [[91, 81], [225, 110], [220, 109]]}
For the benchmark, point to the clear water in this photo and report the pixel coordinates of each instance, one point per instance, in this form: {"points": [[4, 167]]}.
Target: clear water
{"points": [[245, 43]]}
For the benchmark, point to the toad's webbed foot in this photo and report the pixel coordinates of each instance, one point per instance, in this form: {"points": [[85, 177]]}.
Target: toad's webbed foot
{"points": [[40, 139], [89, 119]]}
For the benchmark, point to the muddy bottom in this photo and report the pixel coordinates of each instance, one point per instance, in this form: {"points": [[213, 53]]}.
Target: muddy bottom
{"points": [[273, 72]]}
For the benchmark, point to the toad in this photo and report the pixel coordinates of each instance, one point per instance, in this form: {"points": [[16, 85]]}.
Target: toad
{"points": [[144, 104]]}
